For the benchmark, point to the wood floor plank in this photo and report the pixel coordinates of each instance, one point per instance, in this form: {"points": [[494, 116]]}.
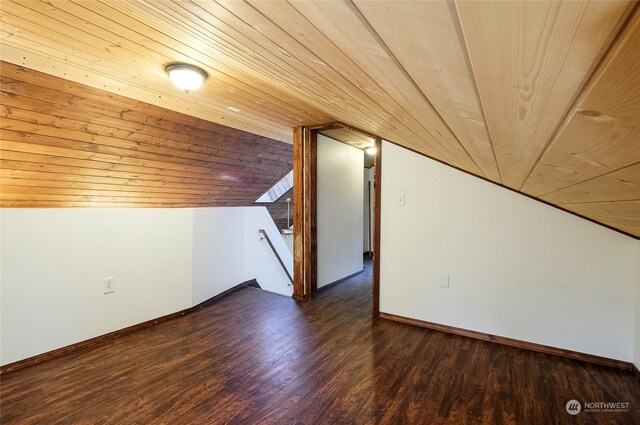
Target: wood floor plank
{"points": [[257, 358]]}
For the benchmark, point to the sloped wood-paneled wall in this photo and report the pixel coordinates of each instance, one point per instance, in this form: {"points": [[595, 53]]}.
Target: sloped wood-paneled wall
{"points": [[63, 144], [539, 96], [278, 210]]}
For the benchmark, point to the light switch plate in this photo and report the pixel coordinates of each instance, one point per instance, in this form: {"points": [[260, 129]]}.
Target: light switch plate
{"points": [[400, 199], [444, 280]]}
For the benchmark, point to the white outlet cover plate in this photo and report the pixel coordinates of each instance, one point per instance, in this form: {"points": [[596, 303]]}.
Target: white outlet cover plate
{"points": [[400, 199], [109, 285]]}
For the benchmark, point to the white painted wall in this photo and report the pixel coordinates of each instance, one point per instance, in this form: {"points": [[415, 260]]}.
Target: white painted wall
{"points": [[53, 262], [288, 240], [339, 210], [218, 249], [636, 358], [260, 262], [518, 268]]}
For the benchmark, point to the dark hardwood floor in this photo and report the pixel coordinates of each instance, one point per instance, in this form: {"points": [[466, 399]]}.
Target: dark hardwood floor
{"points": [[258, 358]]}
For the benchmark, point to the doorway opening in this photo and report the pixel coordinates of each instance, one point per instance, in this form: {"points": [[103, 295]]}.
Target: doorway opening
{"points": [[336, 208]]}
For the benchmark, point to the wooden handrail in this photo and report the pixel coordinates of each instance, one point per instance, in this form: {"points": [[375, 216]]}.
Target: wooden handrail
{"points": [[277, 255]]}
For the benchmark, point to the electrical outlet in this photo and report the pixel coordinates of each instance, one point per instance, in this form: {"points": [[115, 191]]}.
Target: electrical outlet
{"points": [[109, 285]]}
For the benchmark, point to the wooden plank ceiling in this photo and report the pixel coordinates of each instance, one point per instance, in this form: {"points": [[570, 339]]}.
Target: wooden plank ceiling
{"points": [[542, 97], [63, 144], [352, 137]]}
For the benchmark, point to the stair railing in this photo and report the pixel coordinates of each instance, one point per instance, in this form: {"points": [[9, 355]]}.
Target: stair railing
{"points": [[266, 237]]}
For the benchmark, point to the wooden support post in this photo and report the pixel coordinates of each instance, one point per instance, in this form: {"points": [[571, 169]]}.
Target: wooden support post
{"points": [[310, 235], [305, 284], [298, 213], [376, 229]]}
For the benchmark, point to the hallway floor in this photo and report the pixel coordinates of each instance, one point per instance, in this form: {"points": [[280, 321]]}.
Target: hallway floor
{"points": [[257, 358]]}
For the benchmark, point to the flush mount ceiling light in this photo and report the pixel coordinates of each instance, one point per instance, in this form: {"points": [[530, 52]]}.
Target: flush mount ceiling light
{"points": [[371, 151], [186, 77]]}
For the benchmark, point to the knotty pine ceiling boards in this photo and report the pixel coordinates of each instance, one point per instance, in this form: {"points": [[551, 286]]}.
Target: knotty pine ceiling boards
{"points": [[541, 97]]}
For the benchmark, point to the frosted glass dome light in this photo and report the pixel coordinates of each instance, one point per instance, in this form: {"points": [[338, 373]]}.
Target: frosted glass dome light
{"points": [[186, 77]]}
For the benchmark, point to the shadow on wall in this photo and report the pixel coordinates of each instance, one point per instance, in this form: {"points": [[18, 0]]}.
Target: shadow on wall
{"points": [[228, 248], [163, 260]]}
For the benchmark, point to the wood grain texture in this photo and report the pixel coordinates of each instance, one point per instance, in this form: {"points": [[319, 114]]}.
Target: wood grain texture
{"points": [[620, 185], [278, 210], [311, 215], [349, 136], [336, 78], [330, 285], [414, 32], [602, 221], [539, 348], [298, 213], [344, 26], [515, 92], [352, 137], [530, 61], [377, 225], [92, 343], [309, 228], [257, 358], [110, 46], [624, 215], [600, 134], [63, 144]]}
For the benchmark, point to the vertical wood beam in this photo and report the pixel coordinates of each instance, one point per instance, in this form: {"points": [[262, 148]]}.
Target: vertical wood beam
{"points": [[376, 229], [310, 233], [298, 213]]}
